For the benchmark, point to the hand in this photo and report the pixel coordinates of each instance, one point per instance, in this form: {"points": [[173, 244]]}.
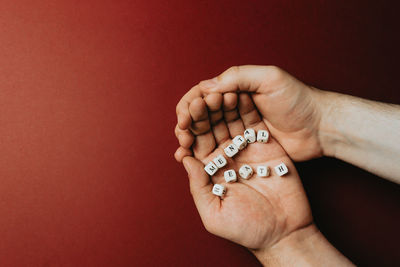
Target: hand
{"points": [[289, 108], [256, 213]]}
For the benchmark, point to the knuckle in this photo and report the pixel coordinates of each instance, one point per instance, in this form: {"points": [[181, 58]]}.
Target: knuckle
{"points": [[233, 70], [274, 73], [229, 72], [273, 68]]}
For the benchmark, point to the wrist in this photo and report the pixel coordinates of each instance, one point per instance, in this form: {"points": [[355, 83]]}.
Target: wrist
{"points": [[330, 110], [304, 247]]}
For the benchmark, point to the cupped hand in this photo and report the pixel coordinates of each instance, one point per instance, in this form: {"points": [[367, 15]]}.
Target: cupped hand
{"points": [[289, 108], [258, 212]]}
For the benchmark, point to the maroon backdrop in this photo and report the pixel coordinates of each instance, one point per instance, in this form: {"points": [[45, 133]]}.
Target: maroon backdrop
{"points": [[87, 112]]}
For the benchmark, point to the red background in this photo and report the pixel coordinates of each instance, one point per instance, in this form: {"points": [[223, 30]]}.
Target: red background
{"points": [[87, 112]]}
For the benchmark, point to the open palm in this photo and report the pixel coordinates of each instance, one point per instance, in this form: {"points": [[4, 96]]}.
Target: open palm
{"points": [[257, 212]]}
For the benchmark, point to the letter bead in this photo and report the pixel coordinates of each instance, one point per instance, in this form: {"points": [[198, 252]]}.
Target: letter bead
{"points": [[262, 136], [231, 150], [250, 135], [220, 161], [245, 171], [281, 169], [210, 168], [240, 142], [263, 171], [219, 190], [230, 176]]}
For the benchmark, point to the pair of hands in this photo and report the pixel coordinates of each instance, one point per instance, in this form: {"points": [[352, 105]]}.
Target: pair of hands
{"points": [[260, 212]]}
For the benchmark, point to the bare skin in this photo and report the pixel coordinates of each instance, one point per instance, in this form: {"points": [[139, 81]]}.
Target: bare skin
{"points": [[308, 122], [261, 214], [287, 106], [271, 216]]}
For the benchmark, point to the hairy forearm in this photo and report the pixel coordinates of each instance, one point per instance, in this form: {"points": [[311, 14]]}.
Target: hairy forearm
{"points": [[362, 132], [304, 247]]}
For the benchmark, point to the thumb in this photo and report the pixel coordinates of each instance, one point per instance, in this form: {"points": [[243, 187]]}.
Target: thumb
{"points": [[247, 78], [200, 183]]}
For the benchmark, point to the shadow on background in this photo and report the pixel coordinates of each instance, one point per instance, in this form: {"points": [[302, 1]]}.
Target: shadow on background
{"points": [[354, 209]]}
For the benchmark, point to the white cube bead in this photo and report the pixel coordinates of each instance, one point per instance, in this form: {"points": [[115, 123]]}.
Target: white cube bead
{"points": [[231, 150], [220, 161], [245, 171], [250, 135], [240, 142], [262, 136], [281, 169], [263, 171], [230, 176], [219, 190], [211, 168]]}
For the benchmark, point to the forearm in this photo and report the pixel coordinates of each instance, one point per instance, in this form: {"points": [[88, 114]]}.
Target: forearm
{"points": [[304, 247], [362, 132]]}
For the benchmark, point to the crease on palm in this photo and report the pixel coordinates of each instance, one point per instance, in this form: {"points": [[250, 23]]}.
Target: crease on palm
{"points": [[270, 190]]}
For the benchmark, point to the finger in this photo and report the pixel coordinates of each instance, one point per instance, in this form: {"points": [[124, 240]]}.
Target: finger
{"points": [[247, 78], [214, 102], [231, 115], [248, 112], [219, 128], [182, 113], [199, 114], [185, 137], [181, 152], [200, 183], [182, 108], [204, 143]]}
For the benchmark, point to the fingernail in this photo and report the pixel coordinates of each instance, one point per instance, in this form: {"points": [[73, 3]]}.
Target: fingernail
{"points": [[208, 84]]}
